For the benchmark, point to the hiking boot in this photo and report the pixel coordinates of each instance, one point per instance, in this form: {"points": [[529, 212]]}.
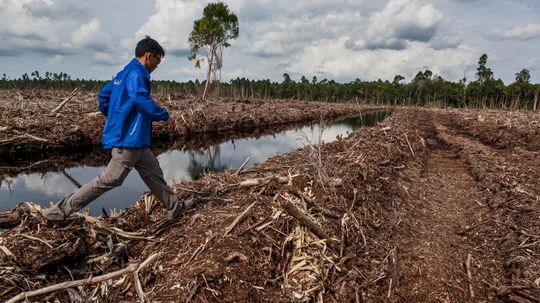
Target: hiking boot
{"points": [[172, 217], [174, 212], [54, 213]]}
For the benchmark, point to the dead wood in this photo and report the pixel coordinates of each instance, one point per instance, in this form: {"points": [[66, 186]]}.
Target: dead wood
{"points": [[469, 275], [60, 286], [241, 166], [66, 100], [299, 215], [393, 269], [312, 203], [11, 218], [239, 218], [409, 144], [201, 248]]}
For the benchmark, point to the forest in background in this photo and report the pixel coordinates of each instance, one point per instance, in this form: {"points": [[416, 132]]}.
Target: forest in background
{"points": [[425, 89]]}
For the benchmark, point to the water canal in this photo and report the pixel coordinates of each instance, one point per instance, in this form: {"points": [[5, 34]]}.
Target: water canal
{"points": [[177, 164]]}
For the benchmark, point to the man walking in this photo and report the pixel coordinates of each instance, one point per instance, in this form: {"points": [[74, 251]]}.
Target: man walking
{"points": [[129, 111]]}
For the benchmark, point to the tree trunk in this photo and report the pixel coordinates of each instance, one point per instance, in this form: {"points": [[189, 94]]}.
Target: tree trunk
{"points": [[207, 80], [535, 100]]}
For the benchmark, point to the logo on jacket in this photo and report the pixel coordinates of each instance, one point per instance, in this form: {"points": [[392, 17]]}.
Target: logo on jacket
{"points": [[117, 82]]}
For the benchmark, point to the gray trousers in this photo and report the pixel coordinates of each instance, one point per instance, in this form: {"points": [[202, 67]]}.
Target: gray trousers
{"points": [[122, 162]]}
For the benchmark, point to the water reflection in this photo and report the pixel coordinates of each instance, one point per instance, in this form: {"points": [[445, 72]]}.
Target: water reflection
{"points": [[177, 164]]}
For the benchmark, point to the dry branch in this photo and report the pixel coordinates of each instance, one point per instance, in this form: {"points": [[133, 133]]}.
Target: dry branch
{"points": [[316, 206], [469, 275], [59, 107], [241, 166], [409, 143], [239, 218], [64, 285], [299, 215]]}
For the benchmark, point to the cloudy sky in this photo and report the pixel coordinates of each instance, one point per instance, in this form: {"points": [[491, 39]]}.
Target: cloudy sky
{"points": [[333, 39]]}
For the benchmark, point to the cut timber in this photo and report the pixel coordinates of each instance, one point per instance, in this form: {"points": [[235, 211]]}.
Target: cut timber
{"points": [[304, 219]]}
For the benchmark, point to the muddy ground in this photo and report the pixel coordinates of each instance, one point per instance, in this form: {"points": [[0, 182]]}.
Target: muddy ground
{"points": [[431, 205]]}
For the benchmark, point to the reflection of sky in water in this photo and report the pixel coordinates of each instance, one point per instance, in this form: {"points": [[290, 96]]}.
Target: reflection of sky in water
{"points": [[51, 187]]}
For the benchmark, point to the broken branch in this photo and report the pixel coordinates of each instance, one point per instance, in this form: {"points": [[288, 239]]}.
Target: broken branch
{"points": [[64, 285], [239, 218], [59, 107]]}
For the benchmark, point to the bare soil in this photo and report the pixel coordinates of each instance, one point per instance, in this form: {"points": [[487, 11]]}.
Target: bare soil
{"points": [[431, 205]]}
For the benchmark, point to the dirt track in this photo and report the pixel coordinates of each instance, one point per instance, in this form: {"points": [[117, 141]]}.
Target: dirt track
{"points": [[403, 205]]}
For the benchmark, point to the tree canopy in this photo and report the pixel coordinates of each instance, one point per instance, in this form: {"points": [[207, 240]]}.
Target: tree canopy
{"points": [[210, 35]]}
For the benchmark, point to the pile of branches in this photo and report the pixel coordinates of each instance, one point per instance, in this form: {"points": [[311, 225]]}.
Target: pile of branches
{"points": [[79, 260]]}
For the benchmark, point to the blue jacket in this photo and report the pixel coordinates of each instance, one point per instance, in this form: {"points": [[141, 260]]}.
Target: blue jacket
{"points": [[126, 102]]}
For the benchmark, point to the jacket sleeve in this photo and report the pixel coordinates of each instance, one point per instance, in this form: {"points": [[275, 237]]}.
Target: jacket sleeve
{"points": [[104, 96], [140, 97]]}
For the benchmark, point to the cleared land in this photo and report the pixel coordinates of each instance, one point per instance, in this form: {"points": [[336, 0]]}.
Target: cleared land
{"points": [[431, 205]]}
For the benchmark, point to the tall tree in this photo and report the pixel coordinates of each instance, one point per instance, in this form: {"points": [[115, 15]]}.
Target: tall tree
{"points": [[523, 76], [210, 35], [483, 73]]}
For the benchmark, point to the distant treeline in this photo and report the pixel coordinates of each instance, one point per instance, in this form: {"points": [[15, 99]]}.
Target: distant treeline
{"points": [[425, 89]]}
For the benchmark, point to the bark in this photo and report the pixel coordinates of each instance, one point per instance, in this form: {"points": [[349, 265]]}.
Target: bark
{"points": [[535, 100]]}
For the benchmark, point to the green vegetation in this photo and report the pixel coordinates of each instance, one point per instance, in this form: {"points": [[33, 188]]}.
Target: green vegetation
{"points": [[210, 35], [425, 89]]}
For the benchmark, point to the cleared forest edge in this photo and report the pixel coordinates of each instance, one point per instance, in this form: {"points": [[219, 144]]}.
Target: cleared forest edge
{"points": [[32, 128], [364, 200]]}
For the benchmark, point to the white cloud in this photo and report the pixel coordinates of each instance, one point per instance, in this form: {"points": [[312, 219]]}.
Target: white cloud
{"points": [[275, 37], [50, 28], [55, 59], [89, 35], [104, 58], [528, 32], [331, 59], [170, 25], [400, 22]]}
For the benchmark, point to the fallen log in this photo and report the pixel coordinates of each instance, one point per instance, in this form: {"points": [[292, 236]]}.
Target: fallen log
{"points": [[301, 217], [134, 268]]}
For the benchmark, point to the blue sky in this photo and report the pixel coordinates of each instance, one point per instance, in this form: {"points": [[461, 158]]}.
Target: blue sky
{"points": [[333, 39]]}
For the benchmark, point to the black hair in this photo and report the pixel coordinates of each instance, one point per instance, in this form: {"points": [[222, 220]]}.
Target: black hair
{"points": [[148, 45]]}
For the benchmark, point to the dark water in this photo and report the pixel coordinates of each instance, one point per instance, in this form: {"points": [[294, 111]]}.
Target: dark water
{"points": [[177, 164]]}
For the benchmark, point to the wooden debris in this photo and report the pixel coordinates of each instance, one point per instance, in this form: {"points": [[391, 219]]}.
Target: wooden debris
{"points": [[303, 219], [239, 218], [201, 248], [393, 269], [469, 275], [236, 255], [409, 143], [312, 203], [66, 100], [258, 181], [60, 286], [241, 166]]}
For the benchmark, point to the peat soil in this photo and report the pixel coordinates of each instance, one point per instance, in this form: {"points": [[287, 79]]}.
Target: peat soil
{"points": [[31, 129], [431, 205]]}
